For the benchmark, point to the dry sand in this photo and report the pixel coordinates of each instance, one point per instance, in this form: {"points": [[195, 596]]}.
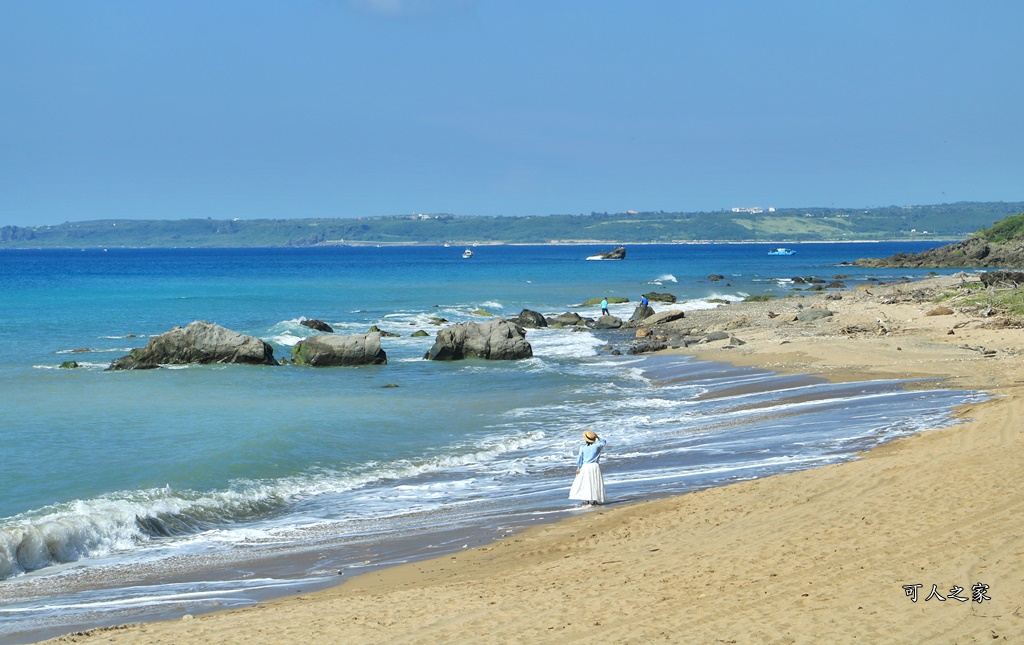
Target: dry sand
{"points": [[810, 557]]}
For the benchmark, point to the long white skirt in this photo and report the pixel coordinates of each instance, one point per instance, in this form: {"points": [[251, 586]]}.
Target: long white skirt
{"points": [[588, 485]]}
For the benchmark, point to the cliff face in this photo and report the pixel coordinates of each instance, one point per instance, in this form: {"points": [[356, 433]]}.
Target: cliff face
{"points": [[1002, 245]]}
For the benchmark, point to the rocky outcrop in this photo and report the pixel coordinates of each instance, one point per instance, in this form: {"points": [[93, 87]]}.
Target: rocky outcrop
{"points": [[199, 342], [660, 297], [618, 253], [608, 322], [612, 300], [496, 339], [665, 317], [339, 351], [568, 319], [646, 346], [374, 329], [318, 325], [640, 313], [975, 251], [529, 318]]}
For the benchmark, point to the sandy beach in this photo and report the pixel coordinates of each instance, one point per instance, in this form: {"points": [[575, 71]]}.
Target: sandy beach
{"points": [[834, 554]]}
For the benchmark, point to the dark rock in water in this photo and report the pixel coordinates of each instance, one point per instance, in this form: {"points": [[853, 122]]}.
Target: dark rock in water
{"points": [[383, 334], [715, 277], [647, 346], [528, 318], [419, 334], [496, 339], [812, 314], [390, 385], [318, 325], [69, 365], [608, 322], [438, 321], [340, 351], [198, 343], [612, 300], [618, 253], [660, 297], [567, 319]]}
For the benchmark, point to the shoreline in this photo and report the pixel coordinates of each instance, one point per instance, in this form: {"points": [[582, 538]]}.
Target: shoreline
{"points": [[360, 244], [814, 555]]}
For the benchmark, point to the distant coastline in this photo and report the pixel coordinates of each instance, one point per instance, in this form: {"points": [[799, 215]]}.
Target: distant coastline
{"points": [[788, 226]]}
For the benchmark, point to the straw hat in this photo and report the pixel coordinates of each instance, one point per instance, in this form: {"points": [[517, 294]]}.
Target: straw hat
{"points": [[590, 436]]}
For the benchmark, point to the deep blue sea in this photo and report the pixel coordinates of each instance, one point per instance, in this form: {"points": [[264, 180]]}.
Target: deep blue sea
{"points": [[136, 495]]}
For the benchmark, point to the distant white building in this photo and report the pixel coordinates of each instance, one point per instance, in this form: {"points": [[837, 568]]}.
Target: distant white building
{"points": [[753, 210]]}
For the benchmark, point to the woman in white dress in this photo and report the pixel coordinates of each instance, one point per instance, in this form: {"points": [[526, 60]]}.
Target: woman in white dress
{"points": [[588, 486]]}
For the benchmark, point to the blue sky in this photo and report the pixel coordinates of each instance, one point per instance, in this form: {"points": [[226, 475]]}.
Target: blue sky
{"points": [[335, 108]]}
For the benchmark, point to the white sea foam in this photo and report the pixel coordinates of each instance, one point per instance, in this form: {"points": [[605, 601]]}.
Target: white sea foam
{"points": [[668, 277]]}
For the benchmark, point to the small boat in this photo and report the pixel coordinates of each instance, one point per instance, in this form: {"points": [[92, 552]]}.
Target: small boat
{"points": [[781, 251], [618, 253], [467, 254]]}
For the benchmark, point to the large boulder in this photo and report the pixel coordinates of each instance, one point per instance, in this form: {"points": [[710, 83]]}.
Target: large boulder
{"points": [[334, 351], [608, 322], [496, 339], [641, 312], [530, 318], [567, 319], [665, 317], [660, 297], [199, 342]]}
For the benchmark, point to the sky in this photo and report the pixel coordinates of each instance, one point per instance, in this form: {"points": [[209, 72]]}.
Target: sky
{"points": [[353, 108]]}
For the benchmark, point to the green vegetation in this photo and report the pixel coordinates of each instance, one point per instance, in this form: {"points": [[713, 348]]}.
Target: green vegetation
{"points": [[762, 298], [976, 296], [944, 221], [1007, 230]]}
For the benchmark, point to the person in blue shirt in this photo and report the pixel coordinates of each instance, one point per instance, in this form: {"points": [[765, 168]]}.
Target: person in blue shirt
{"points": [[604, 306], [588, 486], [643, 301]]}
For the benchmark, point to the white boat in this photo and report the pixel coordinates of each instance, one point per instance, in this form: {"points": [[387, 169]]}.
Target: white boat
{"points": [[467, 254], [781, 251]]}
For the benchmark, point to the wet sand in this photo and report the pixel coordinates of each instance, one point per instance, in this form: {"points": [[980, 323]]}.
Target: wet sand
{"points": [[824, 555]]}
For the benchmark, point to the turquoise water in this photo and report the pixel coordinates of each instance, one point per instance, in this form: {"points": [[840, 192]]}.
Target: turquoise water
{"points": [[129, 495]]}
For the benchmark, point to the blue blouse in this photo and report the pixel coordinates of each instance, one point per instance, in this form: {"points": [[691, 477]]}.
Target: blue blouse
{"points": [[590, 453]]}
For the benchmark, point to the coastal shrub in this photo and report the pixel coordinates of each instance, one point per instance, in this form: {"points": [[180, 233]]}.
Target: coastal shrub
{"points": [[1007, 230]]}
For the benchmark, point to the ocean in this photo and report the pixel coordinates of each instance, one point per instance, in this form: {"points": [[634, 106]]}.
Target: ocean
{"points": [[130, 496]]}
